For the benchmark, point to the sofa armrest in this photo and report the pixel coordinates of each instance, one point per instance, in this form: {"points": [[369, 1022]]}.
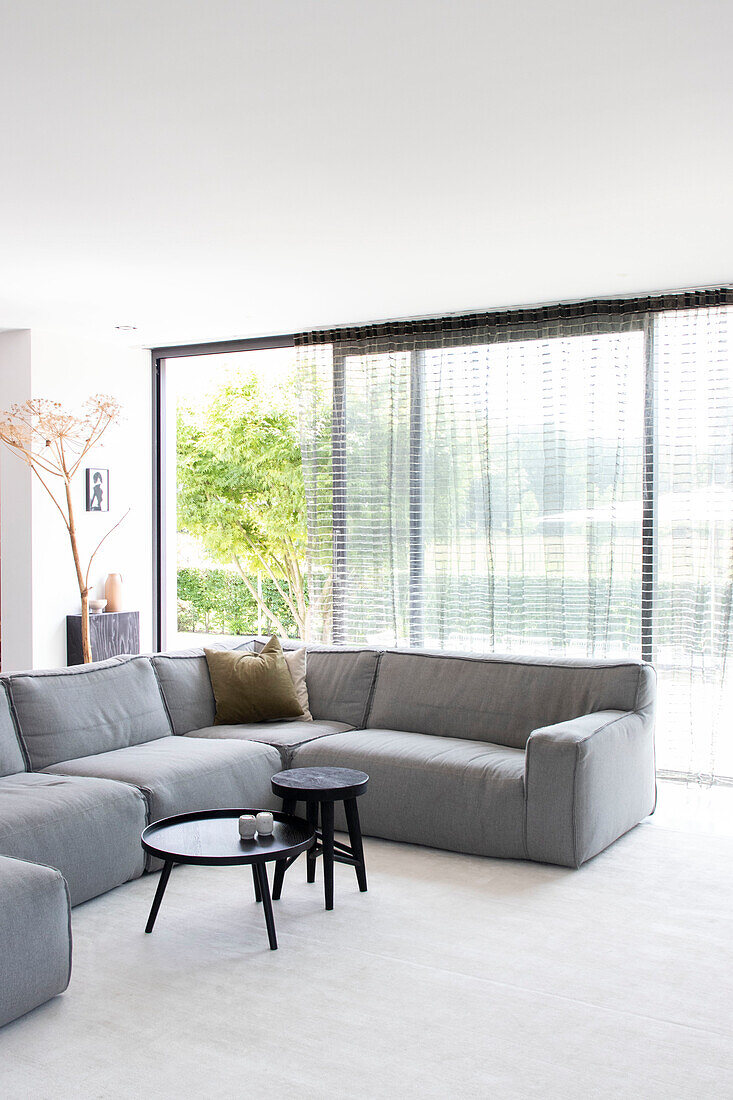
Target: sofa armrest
{"points": [[587, 782], [35, 936]]}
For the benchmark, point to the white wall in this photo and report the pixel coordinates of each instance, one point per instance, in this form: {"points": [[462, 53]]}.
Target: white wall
{"points": [[16, 543], [68, 369]]}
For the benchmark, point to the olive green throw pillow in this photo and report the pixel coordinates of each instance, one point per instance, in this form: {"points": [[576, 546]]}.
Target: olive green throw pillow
{"points": [[252, 687]]}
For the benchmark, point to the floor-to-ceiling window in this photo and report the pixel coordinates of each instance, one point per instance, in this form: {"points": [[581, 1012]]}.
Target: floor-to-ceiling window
{"points": [[556, 481]]}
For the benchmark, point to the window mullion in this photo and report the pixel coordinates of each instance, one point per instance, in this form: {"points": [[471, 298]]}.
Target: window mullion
{"points": [[649, 497], [417, 499]]}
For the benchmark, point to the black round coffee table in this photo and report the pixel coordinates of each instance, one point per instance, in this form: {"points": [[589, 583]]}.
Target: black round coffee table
{"points": [[211, 838], [321, 787]]}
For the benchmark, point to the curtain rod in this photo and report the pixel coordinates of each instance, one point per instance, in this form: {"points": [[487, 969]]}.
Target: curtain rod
{"points": [[589, 308]]}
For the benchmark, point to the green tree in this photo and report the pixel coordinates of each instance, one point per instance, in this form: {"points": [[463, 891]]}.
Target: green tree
{"points": [[241, 494]]}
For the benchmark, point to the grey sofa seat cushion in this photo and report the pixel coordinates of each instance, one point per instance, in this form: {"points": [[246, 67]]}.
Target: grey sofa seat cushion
{"points": [[179, 774], [89, 829], [495, 699], [35, 937], [281, 734], [12, 759], [340, 681], [70, 712], [467, 796]]}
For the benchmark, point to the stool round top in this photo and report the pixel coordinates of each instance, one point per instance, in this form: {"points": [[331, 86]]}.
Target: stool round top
{"points": [[319, 784]]}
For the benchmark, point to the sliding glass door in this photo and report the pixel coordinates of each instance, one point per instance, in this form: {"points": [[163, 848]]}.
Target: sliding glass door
{"points": [[490, 495], [556, 486]]}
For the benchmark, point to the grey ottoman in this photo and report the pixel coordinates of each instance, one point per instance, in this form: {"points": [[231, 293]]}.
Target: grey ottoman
{"points": [[35, 936]]}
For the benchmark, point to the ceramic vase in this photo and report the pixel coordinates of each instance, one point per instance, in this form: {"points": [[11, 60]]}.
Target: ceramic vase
{"points": [[113, 592]]}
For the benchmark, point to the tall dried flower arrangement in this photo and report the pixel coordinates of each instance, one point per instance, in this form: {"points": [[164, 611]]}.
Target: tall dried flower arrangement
{"points": [[53, 443]]}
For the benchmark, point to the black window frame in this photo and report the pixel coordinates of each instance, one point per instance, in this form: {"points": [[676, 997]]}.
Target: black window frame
{"points": [[159, 356]]}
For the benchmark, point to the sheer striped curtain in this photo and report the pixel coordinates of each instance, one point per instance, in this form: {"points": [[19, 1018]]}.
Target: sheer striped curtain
{"points": [[692, 629], [516, 483]]}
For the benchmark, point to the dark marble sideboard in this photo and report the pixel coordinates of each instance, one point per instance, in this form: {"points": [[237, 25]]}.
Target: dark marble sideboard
{"points": [[112, 633]]}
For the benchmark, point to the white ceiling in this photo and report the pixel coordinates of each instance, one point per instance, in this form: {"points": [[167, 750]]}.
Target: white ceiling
{"points": [[206, 170]]}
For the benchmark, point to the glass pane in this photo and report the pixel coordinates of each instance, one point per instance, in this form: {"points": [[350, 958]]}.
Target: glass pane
{"points": [[235, 542], [533, 495], [518, 469]]}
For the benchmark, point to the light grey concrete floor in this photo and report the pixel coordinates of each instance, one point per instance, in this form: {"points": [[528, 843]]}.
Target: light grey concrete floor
{"points": [[453, 976]]}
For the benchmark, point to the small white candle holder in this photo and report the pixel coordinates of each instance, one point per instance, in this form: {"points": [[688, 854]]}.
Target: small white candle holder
{"points": [[264, 823], [247, 826]]}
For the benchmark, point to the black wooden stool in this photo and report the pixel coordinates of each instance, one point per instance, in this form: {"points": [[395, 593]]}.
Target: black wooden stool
{"points": [[322, 787]]}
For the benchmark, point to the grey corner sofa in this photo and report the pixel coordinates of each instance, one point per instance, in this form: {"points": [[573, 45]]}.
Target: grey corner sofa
{"points": [[548, 760]]}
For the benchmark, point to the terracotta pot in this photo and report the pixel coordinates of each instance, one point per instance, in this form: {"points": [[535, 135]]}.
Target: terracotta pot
{"points": [[113, 592]]}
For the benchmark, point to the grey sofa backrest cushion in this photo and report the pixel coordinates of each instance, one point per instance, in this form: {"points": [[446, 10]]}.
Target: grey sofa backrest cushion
{"points": [[81, 711], [340, 680], [500, 700], [12, 759], [186, 686]]}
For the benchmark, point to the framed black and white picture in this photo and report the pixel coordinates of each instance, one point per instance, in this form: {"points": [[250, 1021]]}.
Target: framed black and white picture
{"points": [[97, 490]]}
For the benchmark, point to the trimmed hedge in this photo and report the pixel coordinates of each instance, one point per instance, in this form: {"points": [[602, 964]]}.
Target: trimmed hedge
{"points": [[556, 612], [216, 601]]}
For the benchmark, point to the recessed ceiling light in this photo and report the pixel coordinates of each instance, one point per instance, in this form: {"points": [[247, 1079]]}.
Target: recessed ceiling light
{"points": [[126, 328]]}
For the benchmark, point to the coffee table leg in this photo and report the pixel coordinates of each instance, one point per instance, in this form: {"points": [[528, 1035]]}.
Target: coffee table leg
{"points": [[162, 883], [311, 813], [266, 904], [281, 865], [327, 831], [352, 819], [255, 879]]}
